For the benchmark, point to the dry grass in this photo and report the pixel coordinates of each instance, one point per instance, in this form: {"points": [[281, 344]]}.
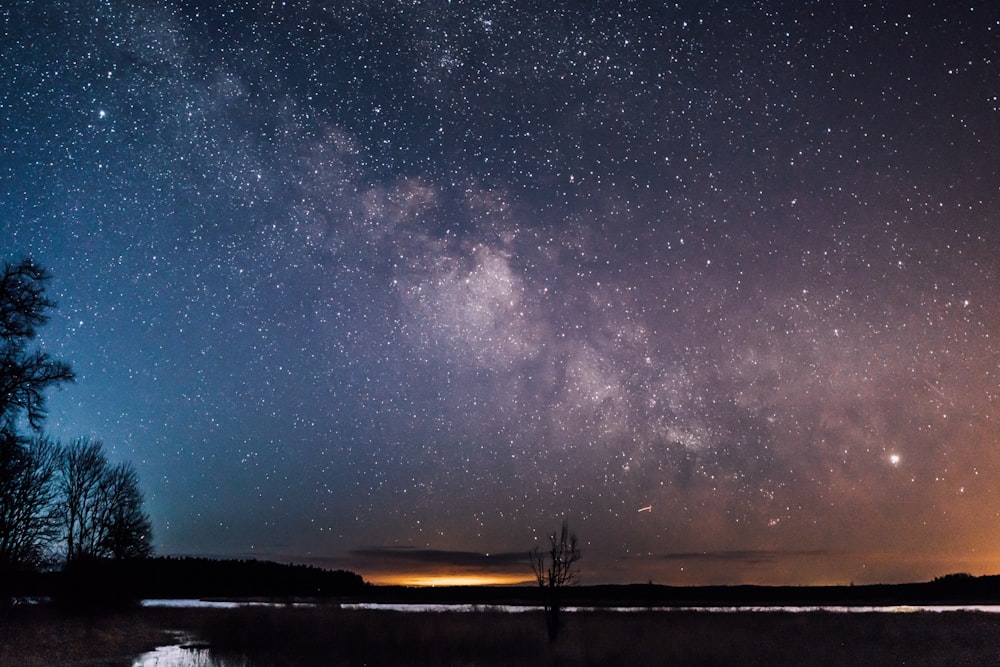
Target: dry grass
{"points": [[317, 637], [330, 636], [42, 636]]}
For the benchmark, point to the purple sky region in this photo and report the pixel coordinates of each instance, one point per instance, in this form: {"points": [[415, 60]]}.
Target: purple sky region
{"points": [[399, 286]]}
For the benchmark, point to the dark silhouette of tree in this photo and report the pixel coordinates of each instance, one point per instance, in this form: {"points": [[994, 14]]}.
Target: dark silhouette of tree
{"points": [[26, 465], [128, 533], [203, 577], [82, 491], [28, 521], [554, 569], [48, 491], [24, 374], [100, 506]]}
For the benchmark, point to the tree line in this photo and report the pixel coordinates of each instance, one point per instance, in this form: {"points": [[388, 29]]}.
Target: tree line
{"points": [[60, 504], [189, 577]]}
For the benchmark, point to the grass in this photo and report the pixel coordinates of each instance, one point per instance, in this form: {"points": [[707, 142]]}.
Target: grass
{"points": [[330, 636], [39, 635]]}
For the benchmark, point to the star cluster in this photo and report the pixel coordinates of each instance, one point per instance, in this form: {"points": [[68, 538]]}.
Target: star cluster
{"points": [[372, 283]]}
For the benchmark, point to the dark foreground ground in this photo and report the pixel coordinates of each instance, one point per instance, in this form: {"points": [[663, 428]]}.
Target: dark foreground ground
{"points": [[326, 635]]}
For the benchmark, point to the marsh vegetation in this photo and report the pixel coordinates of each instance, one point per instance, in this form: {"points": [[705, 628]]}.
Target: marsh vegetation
{"points": [[328, 635]]}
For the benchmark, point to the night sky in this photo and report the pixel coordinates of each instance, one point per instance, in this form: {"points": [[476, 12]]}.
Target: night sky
{"points": [[397, 286]]}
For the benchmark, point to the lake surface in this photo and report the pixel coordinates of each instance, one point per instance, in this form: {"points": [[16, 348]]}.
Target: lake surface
{"points": [[515, 609], [885, 609], [176, 656], [191, 603]]}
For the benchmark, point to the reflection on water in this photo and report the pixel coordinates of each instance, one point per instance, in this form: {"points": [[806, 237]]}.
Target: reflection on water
{"points": [[186, 655], [514, 609], [185, 651], [412, 607], [888, 609], [189, 603], [177, 655]]}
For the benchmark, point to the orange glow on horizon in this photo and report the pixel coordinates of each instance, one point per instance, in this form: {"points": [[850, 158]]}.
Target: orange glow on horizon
{"points": [[429, 579]]}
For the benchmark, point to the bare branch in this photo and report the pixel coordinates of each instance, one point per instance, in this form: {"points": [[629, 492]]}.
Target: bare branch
{"points": [[553, 570]]}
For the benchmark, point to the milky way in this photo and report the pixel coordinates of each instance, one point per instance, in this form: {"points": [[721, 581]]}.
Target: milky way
{"points": [[399, 286]]}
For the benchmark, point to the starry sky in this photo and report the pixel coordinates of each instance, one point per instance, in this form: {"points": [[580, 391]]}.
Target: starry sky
{"points": [[399, 286]]}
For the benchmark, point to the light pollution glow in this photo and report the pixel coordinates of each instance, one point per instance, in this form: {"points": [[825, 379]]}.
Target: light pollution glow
{"points": [[424, 579]]}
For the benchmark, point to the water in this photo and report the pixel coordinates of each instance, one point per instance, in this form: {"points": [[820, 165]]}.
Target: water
{"points": [[176, 655], [516, 609], [188, 603], [180, 655], [799, 609]]}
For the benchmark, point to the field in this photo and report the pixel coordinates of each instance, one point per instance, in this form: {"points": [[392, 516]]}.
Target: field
{"points": [[326, 635]]}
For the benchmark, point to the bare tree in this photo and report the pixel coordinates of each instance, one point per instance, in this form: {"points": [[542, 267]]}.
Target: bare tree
{"points": [[128, 533], [555, 569], [24, 374], [100, 506], [83, 490], [45, 487], [28, 522], [26, 466]]}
